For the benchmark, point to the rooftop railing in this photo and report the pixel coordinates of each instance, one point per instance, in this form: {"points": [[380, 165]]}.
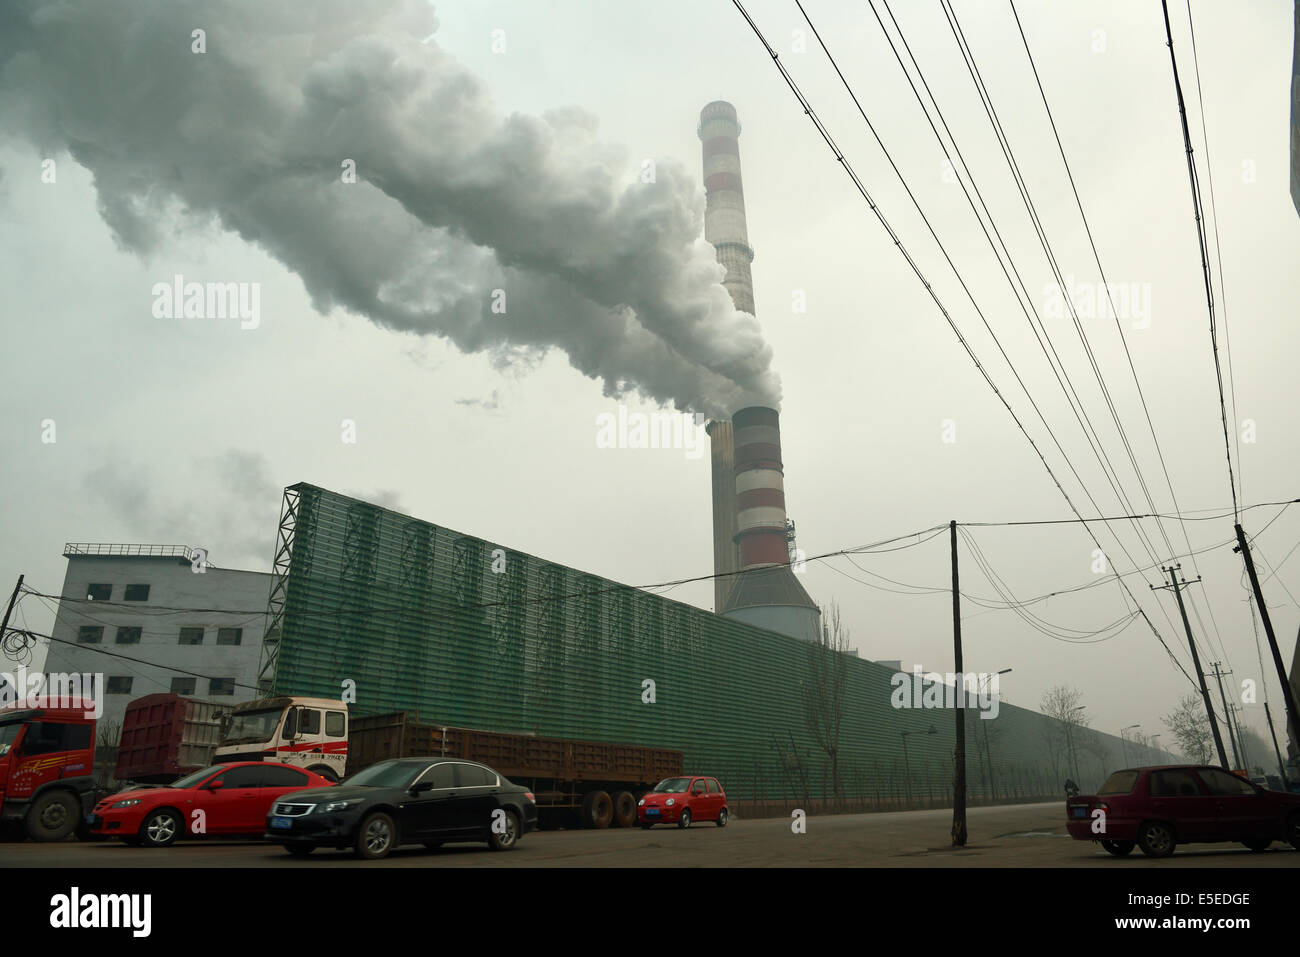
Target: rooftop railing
{"points": [[72, 549]]}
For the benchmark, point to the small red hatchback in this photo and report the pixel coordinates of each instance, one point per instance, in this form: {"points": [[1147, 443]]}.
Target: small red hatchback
{"points": [[683, 801], [1159, 808], [222, 799]]}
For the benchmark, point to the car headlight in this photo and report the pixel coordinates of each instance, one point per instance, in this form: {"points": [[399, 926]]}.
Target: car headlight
{"points": [[337, 806], [670, 802], [132, 802], [640, 802]]}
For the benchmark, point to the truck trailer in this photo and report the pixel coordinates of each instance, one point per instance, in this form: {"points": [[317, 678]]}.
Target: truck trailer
{"points": [[595, 782], [167, 736]]}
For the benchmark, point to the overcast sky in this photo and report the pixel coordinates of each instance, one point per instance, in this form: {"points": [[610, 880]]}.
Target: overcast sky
{"points": [[503, 145]]}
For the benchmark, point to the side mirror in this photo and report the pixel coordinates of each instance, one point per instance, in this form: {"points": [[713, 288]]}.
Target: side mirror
{"points": [[422, 787], [216, 785]]}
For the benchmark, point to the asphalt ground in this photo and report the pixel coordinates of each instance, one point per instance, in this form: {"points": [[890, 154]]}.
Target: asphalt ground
{"points": [[1016, 836]]}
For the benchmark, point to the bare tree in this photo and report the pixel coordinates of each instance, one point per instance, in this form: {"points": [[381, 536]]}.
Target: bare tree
{"points": [[1190, 727], [1063, 704], [823, 692]]}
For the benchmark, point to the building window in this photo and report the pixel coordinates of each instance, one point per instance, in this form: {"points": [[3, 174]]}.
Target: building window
{"points": [[90, 634], [184, 685], [230, 636], [136, 593], [221, 686], [192, 636], [99, 592], [118, 684], [128, 635]]}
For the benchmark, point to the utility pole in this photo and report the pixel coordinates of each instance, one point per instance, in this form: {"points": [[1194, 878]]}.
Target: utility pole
{"points": [[1227, 714], [1281, 767], [1196, 659], [1235, 714], [8, 611], [959, 757], [1244, 548]]}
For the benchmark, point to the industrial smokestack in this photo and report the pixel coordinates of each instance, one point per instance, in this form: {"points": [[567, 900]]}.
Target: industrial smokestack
{"points": [[725, 228], [766, 592]]}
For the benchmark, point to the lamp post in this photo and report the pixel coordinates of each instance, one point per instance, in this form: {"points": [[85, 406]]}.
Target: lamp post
{"points": [[907, 764], [988, 757], [1124, 738], [1155, 738]]}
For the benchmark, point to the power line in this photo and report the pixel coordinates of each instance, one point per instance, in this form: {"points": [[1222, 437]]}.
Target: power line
{"points": [[841, 159]]}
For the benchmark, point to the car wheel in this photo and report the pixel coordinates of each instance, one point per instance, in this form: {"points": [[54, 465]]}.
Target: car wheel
{"points": [[161, 828], [722, 818], [685, 819], [1260, 844], [1293, 831], [1119, 848], [507, 838], [1156, 839], [53, 816], [299, 848], [376, 836]]}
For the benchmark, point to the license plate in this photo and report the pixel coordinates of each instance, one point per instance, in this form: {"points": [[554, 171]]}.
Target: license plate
{"points": [[281, 822], [1080, 812], [652, 812]]}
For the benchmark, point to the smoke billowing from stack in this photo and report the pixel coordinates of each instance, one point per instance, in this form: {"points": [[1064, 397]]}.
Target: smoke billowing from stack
{"points": [[749, 528]]}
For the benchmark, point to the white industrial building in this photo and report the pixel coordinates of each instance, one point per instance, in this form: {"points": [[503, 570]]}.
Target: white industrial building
{"points": [[155, 618]]}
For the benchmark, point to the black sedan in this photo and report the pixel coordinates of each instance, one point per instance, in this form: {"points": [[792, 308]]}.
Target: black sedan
{"points": [[426, 801]]}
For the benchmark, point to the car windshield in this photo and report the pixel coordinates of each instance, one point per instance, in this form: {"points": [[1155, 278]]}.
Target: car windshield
{"points": [[672, 786], [1121, 782], [386, 774], [250, 726], [192, 779]]}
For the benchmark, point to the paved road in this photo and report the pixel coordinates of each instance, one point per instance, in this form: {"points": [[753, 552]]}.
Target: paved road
{"points": [[1018, 836]]}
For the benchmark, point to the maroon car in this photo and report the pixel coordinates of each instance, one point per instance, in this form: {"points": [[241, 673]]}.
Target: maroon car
{"points": [[1159, 808]]}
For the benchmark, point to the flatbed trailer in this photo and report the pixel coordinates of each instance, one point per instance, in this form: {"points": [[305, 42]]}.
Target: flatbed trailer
{"points": [[597, 782]]}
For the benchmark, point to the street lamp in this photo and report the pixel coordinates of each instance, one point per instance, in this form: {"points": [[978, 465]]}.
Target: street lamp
{"points": [[988, 758], [1069, 737], [1124, 738], [907, 764]]}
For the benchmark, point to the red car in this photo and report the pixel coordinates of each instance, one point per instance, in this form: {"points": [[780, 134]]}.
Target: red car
{"points": [[223, 799], [683, 801], [1159, 808]]}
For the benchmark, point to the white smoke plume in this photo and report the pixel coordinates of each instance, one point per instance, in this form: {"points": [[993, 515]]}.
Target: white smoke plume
{"points": [[452, 201]]}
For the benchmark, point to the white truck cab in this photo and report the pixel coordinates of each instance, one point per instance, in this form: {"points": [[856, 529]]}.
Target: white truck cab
{"points": [[308, 733]]}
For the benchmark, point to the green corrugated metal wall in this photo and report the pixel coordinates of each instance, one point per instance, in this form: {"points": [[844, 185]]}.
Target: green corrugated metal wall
{"points": [[473, 634]]}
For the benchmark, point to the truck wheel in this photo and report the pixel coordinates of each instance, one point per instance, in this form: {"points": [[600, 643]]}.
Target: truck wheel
{"points": [[1156, 839], [161, 828], [376, 836], [326, 772], [53, 816], [1257, 845], [624, 809], [597, 809], [509, 837]]}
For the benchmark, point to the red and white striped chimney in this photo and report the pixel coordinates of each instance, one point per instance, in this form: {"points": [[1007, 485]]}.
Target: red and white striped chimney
{"points": [[760, 488]]}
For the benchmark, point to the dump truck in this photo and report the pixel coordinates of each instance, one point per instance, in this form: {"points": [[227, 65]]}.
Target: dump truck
{"points": [[594, 782], [167, 736], [47, 756]]}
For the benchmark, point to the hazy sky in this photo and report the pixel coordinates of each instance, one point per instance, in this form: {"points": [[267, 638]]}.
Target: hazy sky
{"points": [[507, 150]]}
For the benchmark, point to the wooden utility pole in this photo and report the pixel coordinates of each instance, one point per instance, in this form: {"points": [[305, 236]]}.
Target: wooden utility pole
{"points": [[1281, 767], [8, 611], [1244, 548], [1177, 587], [959, 757], [1227, 715]]}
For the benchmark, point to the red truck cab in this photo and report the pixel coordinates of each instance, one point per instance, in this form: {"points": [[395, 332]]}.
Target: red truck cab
{"points": [[47, 757]]}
